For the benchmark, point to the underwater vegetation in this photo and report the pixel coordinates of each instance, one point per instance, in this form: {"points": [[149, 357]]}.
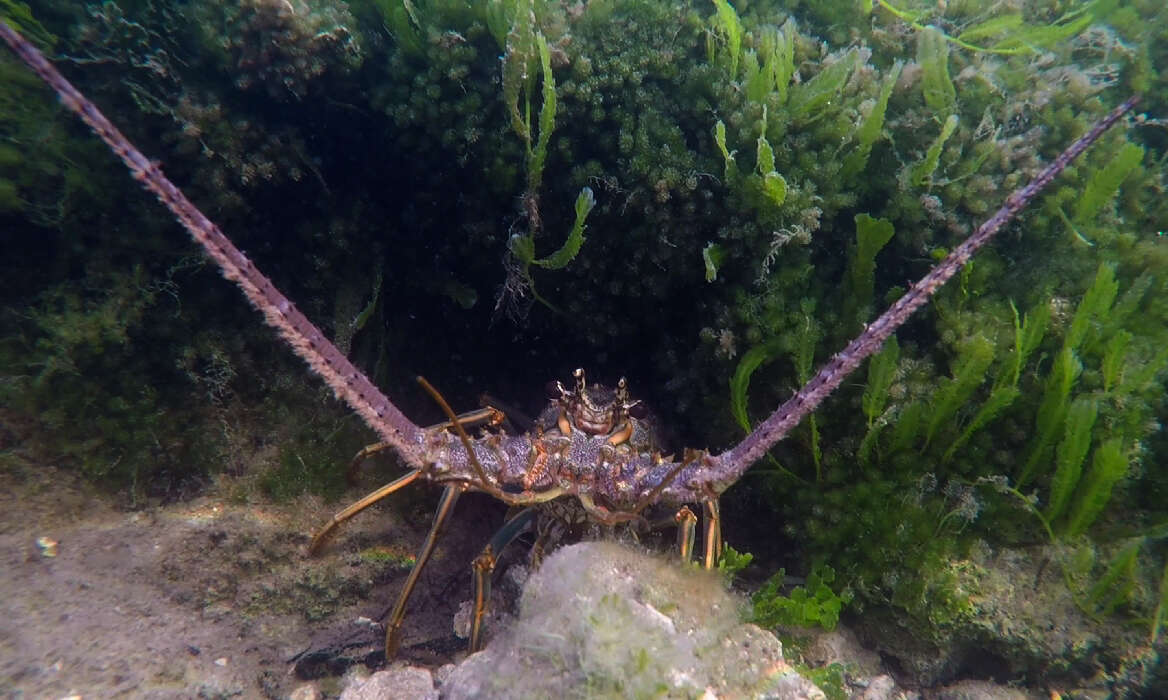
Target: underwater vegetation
{"points": [[707, 197]]}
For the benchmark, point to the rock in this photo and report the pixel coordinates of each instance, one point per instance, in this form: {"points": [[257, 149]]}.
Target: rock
{"points": [[601, 618], [304, 692], [980, 690], [881, 687], [401, 683], [837, 646]]}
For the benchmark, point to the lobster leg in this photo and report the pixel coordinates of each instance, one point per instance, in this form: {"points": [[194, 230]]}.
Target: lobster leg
{"points": [[484, 565], [323, 534], [393, 628], [551, 532], [687, 524], [713, 533]]}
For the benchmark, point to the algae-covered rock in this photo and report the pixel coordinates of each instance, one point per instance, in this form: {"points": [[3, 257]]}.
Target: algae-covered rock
{"points": [[617, 623], [1024, 622]]}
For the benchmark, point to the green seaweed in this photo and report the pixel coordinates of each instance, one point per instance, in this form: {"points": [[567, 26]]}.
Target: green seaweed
{"points": [[1127, 306], [921, 174], [1138, 376], [366, 313], [815, 604], [1093, 308], [1015, 36], [767, 72], [566, 253], [1115, 586], [773, 184], [1104, 183], [969, 372], [783, 58], [881, 374], [1109, 465], [1002, 24], [1160, 615], [1069, 456], [520, 57], [765, 155], [1052, 411], [765, 188], [809, 100], [751, 360], [522, 248], [1027, 38], [757, 77], [726, 28], [733, 562], [1114, 360], [402, 23], [18, 15], [1000, 399], [873, 125], [500, 16], [871, 235], [727, 155], [712, 257], [547, 120], [807, 336], [527, 48], [936, 85], [908, 426], [1028, 334]]}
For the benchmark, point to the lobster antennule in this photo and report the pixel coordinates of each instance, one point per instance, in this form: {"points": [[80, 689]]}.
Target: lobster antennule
{"points": [[347, 382]]}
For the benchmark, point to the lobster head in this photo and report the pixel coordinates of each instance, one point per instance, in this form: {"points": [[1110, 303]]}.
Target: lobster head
{"points": [[596, 409]]}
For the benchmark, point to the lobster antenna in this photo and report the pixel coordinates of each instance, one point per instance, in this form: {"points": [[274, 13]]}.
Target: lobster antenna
{"points": [[457, 424], [347, 382], [731, 465]]}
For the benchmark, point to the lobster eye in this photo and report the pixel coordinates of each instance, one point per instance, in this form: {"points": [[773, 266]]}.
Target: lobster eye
{"points": [[638, 411]]}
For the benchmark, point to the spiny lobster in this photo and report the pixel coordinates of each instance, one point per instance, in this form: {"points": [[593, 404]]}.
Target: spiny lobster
{"points": [[592, 449]]}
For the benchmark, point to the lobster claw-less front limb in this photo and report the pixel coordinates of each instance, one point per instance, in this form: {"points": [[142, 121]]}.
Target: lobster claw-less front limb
{"points": [[488, 415]]}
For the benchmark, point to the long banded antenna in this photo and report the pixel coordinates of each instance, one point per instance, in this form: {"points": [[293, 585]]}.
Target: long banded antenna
{"points": [[733, 463], [347, 382]]}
